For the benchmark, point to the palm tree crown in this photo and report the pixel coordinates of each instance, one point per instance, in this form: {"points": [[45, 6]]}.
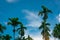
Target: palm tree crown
{"points": [[14, 22], [29, 38], [21, 30], [56, 31], [2, 28], [44, 26], [8, 37], [44, 12]]}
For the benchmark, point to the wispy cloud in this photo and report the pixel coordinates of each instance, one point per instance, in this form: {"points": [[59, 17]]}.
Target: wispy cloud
{"points": [[12, 1], [33, 18], [35, 37], [34, 21], [38, 36], [58, 17]]}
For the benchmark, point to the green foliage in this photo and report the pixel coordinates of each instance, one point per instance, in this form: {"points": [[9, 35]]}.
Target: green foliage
{"points": [[2, 28], [14, 22], [56, 31], [5, 37], [21, 30], [8, 37], [29, 38], [44, 12], [45, 26]]}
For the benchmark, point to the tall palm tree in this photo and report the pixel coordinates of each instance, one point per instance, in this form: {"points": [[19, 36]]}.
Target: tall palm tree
{"points": [[21, 30], [8, 37], [14, 22], [29, 38], [2, 37], [2, 28], [56, 31], [24, 38], [46, 29], [44, 13]]}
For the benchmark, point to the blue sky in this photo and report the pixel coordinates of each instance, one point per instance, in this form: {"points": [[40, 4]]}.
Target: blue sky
{"points": [[27, 12]]}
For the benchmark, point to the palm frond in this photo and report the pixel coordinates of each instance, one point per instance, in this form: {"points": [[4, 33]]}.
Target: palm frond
{"points": [[47, 24], [9, 23], [40, 13], [50, 11]]}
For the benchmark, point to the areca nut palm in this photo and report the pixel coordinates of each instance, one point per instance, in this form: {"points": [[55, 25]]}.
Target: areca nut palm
{"points": [[14, 22], [2, 28], [21, 30], [44, 13], [46, 29], [29, 38], [56, 31]]}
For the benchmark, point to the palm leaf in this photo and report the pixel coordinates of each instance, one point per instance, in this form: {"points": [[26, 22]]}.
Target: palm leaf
{"points": [[40, 13]]}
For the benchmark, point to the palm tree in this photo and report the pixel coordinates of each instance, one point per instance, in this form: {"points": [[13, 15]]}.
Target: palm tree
{"points": [[21, 30], [46, 29], [56, 31], [24, 38], [44, 13], [8, 37], [2, 37], [14, 22], [29, 38], [18, 38], [2, 28]]}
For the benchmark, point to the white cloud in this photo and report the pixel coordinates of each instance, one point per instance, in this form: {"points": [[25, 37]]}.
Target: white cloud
{"points": [[33, 18], [39, 37], [34, 24], [11, 1], [34, 21], [35, 37], [58, 17]]}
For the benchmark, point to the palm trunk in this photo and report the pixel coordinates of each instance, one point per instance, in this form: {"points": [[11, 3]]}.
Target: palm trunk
{"points": [[14, 33], [14, 36], [44, 29]]}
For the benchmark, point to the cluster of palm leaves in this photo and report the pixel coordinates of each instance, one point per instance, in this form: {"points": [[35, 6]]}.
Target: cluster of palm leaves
{"points": [[45, 26], [56, 31], [21, 28]]}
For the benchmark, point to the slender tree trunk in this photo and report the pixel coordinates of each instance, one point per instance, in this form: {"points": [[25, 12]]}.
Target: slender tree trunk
{"points": [[14, 33], [44, 28], [14, 36]]}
